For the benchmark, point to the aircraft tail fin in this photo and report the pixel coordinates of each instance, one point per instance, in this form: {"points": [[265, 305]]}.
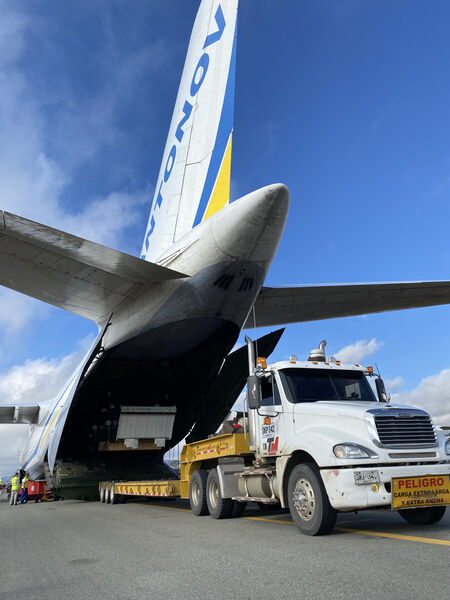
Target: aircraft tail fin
{"points": [[194, 179]]}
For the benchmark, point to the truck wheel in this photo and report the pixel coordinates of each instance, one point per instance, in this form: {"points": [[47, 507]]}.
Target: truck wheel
{"points": [[423, 516], [219, 508], [197, 493], [308, 501]]}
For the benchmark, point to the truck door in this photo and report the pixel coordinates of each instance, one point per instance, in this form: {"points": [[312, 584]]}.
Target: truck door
{"points": [[270, 421]]}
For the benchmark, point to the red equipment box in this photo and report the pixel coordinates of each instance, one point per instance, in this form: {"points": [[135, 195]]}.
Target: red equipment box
{"points": [[36, 488]]}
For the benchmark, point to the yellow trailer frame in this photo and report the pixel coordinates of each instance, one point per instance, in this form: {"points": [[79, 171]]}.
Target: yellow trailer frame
{"points": [[160, 489], [192, 457]]}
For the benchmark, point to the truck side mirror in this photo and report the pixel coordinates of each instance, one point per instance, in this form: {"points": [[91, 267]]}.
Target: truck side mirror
{"points": [[381, 390], [253, 392]]}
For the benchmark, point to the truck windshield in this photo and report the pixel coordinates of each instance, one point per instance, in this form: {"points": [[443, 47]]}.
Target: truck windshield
{"points": [[312, 385]]}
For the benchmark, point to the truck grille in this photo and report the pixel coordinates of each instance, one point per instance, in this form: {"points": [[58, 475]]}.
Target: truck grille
{"points": [[404, 428]]}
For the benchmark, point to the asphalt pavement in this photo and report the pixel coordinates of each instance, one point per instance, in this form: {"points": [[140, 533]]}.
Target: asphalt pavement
{"points": [[160, 550]]}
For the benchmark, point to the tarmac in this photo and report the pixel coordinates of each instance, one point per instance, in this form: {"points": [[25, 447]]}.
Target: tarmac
{"points": [[81, 550]]}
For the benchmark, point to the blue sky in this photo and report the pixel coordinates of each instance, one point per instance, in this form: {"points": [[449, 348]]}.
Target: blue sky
{"points": [[346, 102]]}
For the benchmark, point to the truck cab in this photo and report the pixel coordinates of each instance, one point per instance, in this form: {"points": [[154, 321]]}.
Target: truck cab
{"points": [[336, 444]]}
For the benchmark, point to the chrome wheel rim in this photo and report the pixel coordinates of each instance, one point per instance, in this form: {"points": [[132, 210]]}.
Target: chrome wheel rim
{"points": [[195, 493], [304, 500], [213, 493]]}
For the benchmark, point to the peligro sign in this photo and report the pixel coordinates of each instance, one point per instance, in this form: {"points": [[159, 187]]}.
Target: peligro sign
{"points": [[420, 491]]}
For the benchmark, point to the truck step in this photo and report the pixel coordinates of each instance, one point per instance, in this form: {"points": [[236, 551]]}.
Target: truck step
{"points": [[255, 499], [250, 473]]}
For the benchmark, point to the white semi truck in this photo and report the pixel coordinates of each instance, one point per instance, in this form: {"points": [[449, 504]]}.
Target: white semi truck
{"points": [[319, 441]]}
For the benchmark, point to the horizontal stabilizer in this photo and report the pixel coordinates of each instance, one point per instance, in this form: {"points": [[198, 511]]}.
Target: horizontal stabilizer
{"points": [[282, 305], [229, 384], [22, 414], [70, 272]]}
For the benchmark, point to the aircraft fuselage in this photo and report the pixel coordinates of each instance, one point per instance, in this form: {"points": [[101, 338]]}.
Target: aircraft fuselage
{"points": [[168, 345]]}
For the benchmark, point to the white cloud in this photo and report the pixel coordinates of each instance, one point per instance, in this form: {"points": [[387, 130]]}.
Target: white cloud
{"points": [[433, 395], [16, 310], [105, 219], [394, 384], [354, 353], [34, 382]]}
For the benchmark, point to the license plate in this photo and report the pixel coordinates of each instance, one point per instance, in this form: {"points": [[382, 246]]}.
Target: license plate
{"points": [[364, 477], [413, 492]]}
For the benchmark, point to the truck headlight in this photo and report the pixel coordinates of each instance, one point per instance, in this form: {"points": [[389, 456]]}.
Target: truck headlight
{"points": [[353, 451], [447, 447]]}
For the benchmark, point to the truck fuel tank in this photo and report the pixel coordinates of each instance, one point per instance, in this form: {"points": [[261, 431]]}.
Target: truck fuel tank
{"points": [[258, 483]]}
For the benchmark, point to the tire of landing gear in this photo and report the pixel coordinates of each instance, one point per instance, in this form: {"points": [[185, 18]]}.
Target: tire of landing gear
{"points": [[308, 502], [219, 508], [423, 516], [197, 493], [102, 493]]}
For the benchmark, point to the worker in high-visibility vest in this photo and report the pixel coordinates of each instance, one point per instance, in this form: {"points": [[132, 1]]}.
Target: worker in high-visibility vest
{"points": [[14, 489], [24, 495]]}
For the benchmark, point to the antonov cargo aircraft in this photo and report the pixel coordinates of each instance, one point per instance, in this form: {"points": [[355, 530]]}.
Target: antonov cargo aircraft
{"points": [[168, 319]]}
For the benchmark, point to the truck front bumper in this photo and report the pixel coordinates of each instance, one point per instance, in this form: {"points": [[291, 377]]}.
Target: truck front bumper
{"points": [[345, 495]]}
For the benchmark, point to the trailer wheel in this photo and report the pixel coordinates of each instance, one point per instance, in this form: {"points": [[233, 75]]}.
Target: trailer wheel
{"points": [[308, 501], [423, 516], [113, 497], [219, 508], [197, 493]]}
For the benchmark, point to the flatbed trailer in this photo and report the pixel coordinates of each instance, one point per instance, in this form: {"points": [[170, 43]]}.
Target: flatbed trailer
{"points": [[195, 457]]}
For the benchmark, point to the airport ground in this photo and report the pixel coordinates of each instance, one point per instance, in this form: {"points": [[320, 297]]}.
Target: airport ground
{"points": [[77, 550]]}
